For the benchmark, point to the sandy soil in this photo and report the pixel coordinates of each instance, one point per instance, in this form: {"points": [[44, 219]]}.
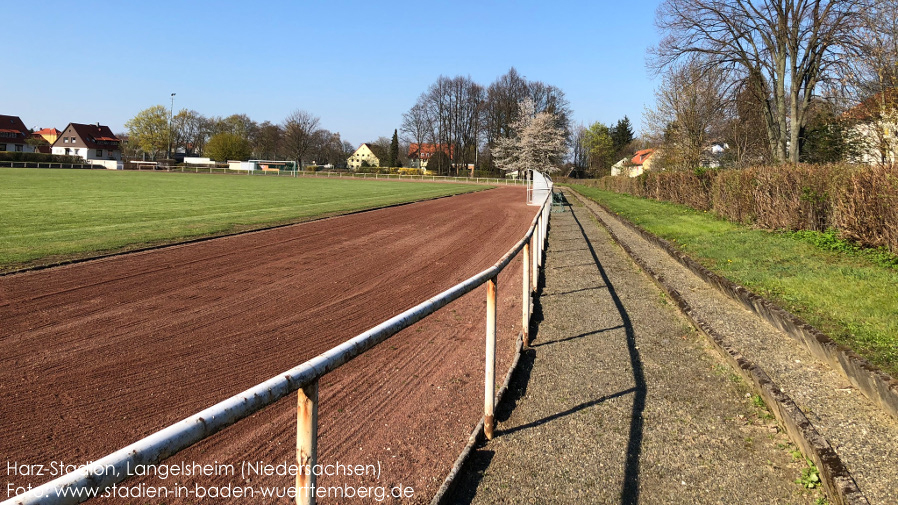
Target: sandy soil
{"points": [[96, 355]]}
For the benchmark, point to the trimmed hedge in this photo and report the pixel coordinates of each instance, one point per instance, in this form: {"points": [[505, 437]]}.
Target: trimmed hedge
{"points": [[861, 202], [39, 157]]}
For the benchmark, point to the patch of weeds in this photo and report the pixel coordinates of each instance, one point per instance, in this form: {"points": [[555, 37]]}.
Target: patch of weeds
{"points": [[735, 378], [758, 402], [829, 241], [810, 476], [821, 501]]}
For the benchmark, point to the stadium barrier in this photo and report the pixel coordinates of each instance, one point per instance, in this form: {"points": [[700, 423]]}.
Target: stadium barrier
{"points": [[99, 475]]}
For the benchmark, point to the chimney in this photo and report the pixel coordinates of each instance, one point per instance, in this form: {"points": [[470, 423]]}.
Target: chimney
{"points": [[98, 124]]}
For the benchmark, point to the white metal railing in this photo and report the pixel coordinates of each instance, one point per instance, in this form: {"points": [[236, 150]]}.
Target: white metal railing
{"points": [[112, 469]]}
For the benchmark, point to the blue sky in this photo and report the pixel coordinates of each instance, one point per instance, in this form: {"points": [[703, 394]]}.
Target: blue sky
{"points": [[356, 65]]}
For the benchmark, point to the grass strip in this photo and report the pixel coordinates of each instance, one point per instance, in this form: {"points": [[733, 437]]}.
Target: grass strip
{"points": [[851, 297], [48, 216]]}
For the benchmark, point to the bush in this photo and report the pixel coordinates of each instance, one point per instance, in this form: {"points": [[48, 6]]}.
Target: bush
{"points": [[861, 202], [40, 157]]}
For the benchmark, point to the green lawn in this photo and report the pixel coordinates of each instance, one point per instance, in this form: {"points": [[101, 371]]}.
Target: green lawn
{"points": [[849, 296], [52, 215]]}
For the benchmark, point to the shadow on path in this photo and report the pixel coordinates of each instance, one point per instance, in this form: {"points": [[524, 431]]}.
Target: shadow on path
{"points": [[575, 337], [630, 491]]}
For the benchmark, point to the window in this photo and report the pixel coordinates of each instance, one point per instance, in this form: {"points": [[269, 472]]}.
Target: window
{"points": [[67, 151], [19, 148], [2, 147], [65, 140], [99, 153]]}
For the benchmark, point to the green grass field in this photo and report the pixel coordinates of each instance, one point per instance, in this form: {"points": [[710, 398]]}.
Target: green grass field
{"points": [[851, 297], [47, 216]]}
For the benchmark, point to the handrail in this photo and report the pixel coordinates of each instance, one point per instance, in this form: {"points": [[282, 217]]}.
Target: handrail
{"points": [[112, 469]]}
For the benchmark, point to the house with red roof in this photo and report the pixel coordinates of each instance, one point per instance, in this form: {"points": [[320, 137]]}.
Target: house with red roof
{"points": [[93, 142], [420, 154], [874, 122], [48, 134], [640, 163], [14, 135]]}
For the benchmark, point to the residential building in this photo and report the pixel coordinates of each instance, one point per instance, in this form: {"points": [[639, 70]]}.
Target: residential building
{"points": [[48, 134], [368, 155], [14, 135], [42, 139], [873, 124], [640, 163], [93, 142], [420, 154]]}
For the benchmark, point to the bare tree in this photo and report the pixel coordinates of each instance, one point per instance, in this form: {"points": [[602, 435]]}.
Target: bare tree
{"points": [[300, 134], [190, 131], [690, 112], [416, 124], [269, 141], [785, 47], [870, 89]]}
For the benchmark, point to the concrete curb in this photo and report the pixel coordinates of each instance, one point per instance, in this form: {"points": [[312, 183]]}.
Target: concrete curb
{"points": [[442, 495], [836, 478]]}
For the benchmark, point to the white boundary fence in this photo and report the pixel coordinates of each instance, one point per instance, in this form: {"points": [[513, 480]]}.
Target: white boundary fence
{"points": [[303, 379]]}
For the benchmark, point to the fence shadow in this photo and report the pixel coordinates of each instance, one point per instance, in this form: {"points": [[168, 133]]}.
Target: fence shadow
{"points": [[630, 490]]}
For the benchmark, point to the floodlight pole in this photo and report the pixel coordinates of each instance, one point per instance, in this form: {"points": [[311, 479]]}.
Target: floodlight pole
{"points": [[171, 117]]}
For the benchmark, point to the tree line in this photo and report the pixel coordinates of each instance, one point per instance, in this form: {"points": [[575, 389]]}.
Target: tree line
{"points": [[776, 81], [235, 137], [473, 119]]}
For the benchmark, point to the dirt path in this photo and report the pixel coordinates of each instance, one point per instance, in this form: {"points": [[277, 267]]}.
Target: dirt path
{"points": [[96, 355], [621, 401]]}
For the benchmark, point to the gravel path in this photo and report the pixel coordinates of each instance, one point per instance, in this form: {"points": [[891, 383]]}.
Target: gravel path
{"points": [[620, 401], [865, 437]]}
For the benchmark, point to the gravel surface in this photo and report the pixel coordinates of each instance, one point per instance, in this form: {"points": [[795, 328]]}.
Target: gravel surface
{"points": [[864, 436], [621, 401]]}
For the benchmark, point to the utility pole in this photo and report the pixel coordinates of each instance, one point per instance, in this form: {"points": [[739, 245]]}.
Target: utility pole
{"points": [[171, 116]]}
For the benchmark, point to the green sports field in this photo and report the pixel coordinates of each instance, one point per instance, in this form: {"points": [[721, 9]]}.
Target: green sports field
{"points": [[47, 216]]}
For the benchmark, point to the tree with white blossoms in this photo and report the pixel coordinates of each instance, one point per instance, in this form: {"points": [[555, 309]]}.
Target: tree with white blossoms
{"points": [[537, 142]]}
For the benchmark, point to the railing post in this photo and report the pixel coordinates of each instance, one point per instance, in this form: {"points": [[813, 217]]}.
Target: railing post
{"points": [[534, 271], [525, 322], [489, 383], [306, 443]]}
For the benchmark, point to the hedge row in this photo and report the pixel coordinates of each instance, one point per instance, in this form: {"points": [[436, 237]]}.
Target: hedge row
{"points": [[39, 157], [860, 202]]}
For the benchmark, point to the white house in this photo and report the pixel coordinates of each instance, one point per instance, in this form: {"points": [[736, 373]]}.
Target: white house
{"points": [[640, 163], [94, 143], [365, 153], [13, 135]]}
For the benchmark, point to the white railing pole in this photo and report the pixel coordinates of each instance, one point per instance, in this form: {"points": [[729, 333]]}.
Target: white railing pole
{"points": [[489, 383], [534, 271], [525, 301], [306, 443]]}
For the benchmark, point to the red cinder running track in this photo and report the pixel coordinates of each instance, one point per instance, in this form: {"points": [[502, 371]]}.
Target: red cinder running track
{"points": [[96, 355]]}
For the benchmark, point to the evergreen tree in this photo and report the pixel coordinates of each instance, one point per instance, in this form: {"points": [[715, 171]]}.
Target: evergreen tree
{"points": [[622, 134], [394, 150]]}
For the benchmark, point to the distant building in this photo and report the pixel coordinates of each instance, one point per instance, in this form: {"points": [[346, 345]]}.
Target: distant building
{"points": [[874, 125], [420, 154], [366, 153], [14, 135], [43, 139], [640, 163], [48, 134], [93, 142]]}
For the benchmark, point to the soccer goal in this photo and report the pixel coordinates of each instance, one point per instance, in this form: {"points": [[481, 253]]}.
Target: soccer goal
{"points": [[274, 166]]}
